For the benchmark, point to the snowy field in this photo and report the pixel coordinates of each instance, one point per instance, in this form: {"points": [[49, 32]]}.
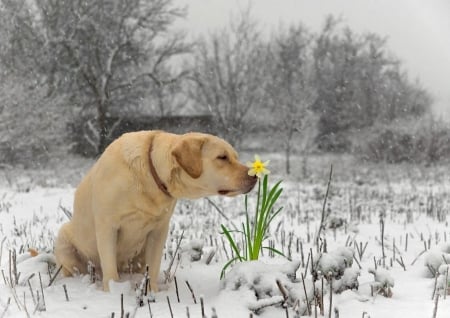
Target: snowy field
{"points": [[404, 283]]}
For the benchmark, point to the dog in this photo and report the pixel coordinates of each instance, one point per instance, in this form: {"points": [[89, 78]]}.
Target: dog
{"points": [[123, 205]]}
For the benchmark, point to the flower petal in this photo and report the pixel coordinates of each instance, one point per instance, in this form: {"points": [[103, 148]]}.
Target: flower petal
{"points": [[252, 172]]}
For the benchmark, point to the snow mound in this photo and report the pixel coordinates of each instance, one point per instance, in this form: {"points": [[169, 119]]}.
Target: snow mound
{"points": [[349, 280], [334, 262], [261, 279], [383, 281], [437, 257]]}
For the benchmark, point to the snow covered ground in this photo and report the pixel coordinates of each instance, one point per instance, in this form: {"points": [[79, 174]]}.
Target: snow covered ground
{"points": [[415, 219]]}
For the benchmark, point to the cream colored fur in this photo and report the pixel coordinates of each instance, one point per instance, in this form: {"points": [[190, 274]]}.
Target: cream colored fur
{"points": [[121, 217]]}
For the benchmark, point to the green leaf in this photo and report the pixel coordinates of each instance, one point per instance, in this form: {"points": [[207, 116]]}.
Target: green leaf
{"points": [[231, 261], [256, 232], [231, 241], [274, 250]]}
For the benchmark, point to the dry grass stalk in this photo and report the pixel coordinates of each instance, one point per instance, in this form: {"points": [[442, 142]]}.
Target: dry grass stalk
{"points": [[65, 292], [324, 215], [192, 291], [167, 272], [52, 279], [170, 307]]}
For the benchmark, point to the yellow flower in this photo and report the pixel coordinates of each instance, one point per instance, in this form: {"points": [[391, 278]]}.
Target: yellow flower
{"points": [[257, 167]]}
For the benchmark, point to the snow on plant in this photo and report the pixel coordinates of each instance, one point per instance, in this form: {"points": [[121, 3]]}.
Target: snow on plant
{"points": [[443, 278], [334, 262], [263, 281], [349, 280], [437, 257], [383, 282], [255, 231]]}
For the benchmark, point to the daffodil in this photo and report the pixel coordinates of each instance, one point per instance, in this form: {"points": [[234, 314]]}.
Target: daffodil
{"points": [[257, 167], [255, 229]]}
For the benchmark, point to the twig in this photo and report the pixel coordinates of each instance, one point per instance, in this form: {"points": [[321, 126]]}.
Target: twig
{"points": [[25, 305], [435, 285], [65, 211], [167, 271], [307, 263], [170, 307], [382, 241], [436, 301], [31, 289], [122, 312], [221, 213], [65, 292], [446, 284], [401, 262], [306, 295], [1, 248], [282, 290], [42, 291], [359, 265], [149, 308], [54, 277], [210, 257], [406, 242], [417, 257], [4, 278], [192, 292], [6, 308], [331, 294], [322, 308], [176, 288], [323, 216], [202, 305]]}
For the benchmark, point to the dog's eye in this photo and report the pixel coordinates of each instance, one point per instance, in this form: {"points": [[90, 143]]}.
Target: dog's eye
{"points": [[222, 157]]}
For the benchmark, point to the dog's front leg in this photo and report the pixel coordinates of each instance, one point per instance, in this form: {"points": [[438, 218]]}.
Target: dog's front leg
{"points": [[153, 253], [107, 251]]}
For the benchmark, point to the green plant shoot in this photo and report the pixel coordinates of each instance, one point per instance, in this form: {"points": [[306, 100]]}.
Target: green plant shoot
{"points": [[255, 230]]}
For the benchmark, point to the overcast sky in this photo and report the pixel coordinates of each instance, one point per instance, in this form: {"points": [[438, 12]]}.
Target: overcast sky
{"points": [[418, 31]]}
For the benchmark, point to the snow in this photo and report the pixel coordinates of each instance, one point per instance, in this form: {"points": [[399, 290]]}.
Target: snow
{"points": [[30, 217]]}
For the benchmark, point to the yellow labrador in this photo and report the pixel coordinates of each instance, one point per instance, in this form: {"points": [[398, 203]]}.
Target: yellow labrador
{"points": [[123, 205]]}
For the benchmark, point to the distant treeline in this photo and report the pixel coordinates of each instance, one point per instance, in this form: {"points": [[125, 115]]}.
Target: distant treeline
{"points": [[79, 70]]}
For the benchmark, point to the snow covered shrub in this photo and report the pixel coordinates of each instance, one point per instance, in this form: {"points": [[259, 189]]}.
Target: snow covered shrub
{"points": [[443, 280], [334, 262], [349, 280], [437, 257], [261, 280], [383, 282], [407, 141], [255, 232]]}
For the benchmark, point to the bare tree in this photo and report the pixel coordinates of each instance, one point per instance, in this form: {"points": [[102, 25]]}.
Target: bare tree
{"points": [[108, 53], [290, 89], [359, 84], [227, 76]]}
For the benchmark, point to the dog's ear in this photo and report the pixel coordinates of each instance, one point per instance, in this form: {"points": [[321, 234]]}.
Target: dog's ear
{"points": [[188, 153]]}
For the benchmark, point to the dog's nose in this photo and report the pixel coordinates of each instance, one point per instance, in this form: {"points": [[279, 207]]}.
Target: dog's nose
{"points": [[252, 181]]}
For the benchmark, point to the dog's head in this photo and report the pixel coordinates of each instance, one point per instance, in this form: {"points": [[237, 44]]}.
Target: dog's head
{"points": [[207, 165]]}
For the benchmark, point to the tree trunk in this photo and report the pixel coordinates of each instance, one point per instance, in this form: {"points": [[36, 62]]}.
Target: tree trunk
{"points": [[288, 155], [102, 127], [288, 151], [305, 166]]}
